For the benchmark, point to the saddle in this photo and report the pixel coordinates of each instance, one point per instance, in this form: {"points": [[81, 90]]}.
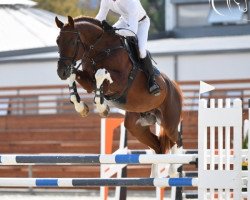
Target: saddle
{"points": [[133, 48], [131, 45]]}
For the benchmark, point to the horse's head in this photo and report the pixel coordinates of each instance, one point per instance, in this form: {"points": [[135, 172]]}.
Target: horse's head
{"points": [[69, 43], [242, 4], [76, 40]]}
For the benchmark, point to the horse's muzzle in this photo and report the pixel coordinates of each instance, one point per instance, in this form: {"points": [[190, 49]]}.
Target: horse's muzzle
{"points": [[63, 71]]}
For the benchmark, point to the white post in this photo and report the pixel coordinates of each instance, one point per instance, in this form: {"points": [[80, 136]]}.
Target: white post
{"points": [[227, 148], [121, 146], [103, 141], [221, 178], [220, 149], [202, 146], [237, 147], [212, 145], [170, 16], [157, 189]]}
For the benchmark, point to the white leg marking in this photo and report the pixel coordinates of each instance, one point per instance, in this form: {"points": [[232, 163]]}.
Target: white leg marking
{"points": [[79, 107], [100, 76]]}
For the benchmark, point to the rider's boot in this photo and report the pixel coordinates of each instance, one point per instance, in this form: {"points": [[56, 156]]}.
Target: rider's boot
{"points": [[147, 66]]}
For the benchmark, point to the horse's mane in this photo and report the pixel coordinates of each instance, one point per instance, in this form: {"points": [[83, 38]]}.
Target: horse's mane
{"points": [[87, 19]]}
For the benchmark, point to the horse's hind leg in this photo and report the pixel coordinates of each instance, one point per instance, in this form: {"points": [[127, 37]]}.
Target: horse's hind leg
{"points": [[142, 133]]}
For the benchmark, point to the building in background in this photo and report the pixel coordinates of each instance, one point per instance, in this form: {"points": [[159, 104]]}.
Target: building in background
{"points": [[199, 44], [27, 45], [205, 41]]}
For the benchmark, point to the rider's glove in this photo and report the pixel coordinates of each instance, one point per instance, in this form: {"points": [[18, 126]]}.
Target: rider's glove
{"points": [[107, 27]]}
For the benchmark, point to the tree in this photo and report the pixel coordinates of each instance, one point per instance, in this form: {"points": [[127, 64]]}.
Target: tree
{"points": [[156, 11], [154, 8], [65, 7]]}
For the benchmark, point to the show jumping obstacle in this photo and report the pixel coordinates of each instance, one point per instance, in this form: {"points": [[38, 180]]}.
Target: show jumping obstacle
{"points": [[219, 175], [176, 193]]}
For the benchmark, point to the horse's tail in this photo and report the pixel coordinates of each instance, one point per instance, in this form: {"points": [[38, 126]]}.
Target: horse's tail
{"points": [[171, 115]]}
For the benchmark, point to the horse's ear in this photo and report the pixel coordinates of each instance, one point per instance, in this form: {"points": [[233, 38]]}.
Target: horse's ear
{"points": [[71, 21], [58, 23]]}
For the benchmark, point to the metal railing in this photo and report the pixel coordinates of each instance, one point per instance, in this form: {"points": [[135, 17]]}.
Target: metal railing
{"points": [[48, 99]]}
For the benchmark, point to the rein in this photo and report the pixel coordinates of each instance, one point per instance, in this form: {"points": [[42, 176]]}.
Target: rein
{"points": [[73, 60], [101, 55]]}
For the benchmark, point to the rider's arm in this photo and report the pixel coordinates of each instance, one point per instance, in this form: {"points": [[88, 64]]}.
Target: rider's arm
{"points": [[103, 11], [132, 23]]}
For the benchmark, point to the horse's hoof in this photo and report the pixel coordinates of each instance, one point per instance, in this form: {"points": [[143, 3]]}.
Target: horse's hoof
{"points": [[84, 114], [105, 113], [85, 111]]}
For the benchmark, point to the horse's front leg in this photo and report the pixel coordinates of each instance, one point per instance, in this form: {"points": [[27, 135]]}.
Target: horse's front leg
{"points": [[100, 76], [80, 106]]}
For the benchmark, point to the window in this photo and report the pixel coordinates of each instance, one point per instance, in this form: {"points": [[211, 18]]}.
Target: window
{"points": [[225, 14], [192, 15], [195, 13]]}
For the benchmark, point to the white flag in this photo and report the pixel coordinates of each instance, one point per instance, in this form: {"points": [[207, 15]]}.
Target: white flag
{"points": [[204, 87]]}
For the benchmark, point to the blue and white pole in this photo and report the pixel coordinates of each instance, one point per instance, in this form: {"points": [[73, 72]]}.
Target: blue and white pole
{"points": [[88, 182], [96, 159]]}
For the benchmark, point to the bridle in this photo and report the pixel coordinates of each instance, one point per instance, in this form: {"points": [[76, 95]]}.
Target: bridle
{"points": [[72, 67], [72, 59]]}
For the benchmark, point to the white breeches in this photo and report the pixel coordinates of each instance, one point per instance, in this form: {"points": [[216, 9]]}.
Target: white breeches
{"points": [[142, 33]]}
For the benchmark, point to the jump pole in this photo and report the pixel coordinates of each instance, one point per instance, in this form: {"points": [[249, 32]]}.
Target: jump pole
{"points": [[98, 159], [89, 182], [136, 159]]}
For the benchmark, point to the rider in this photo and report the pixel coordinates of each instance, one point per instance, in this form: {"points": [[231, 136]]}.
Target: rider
{"points": [[133, 18]]}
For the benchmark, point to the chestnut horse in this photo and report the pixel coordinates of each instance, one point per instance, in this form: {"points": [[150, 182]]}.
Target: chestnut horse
{"points": [[104, 55]]}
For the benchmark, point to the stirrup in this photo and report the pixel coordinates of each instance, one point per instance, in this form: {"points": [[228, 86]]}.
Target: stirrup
{"points": [[154, 88]]}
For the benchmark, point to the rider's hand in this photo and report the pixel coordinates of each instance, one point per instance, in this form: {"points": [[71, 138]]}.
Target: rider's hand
{"points": [[107, 27]]}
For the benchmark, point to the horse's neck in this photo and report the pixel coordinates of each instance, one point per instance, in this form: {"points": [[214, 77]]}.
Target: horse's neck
{"points": [[88, 19], [94, 35], [90, 32]]}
